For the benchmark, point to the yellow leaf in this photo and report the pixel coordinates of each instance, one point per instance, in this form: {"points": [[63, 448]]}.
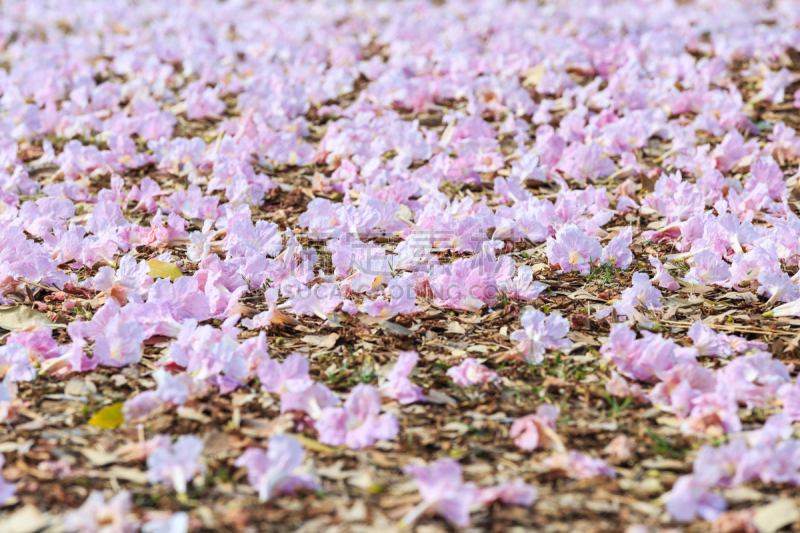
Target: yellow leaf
{"points": [[312, 444], [162, 269], [108, 417]]}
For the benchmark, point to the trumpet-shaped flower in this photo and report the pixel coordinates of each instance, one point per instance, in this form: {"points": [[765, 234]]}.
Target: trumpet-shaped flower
{"points": [[176, 464], [470, 372], [443, 491], [540, 333], [573, 250], [359, 423], [276, 470]]}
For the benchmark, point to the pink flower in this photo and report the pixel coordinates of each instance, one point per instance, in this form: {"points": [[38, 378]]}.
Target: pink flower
{"points": [[39, 343], [531, 431], [6, 489], [707, 269], [98, 516], [289, 376], [275, 471], [129, 282], [690, 497], [618, 387], [713, 413], [174, 523], [522, 287], [176, 464], [640, 294], [579, 466], [540, 332], [790, 396], [15, 365], [616, 252], [515, 492], [443, 491], [120, 343], [581, 162], [573, 250], [398, 386], [620, 449], [171, 389], [359, 423], [470, 372], [311, 401]]}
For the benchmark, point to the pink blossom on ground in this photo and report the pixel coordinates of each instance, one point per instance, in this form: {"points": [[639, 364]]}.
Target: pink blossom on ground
{"points": [[97, 515], [532, 431], [289, 376], [690, 497], [573, 250], [175, 464], [443, 491], [359, 423], [6, 489], [398, 386], [515, 492], [577, 465], [540, 333], [276, 470], [470, 372]]}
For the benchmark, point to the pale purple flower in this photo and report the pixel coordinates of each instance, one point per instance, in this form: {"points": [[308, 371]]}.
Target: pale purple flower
{"points": [[790, 396], [515, 492], [532, 431], [713, 413], [522, 287], [175, 523], [690, 497], [470, 372], [6, 489], [778, 286], [176, 464], [119, 343], [170, 389], [289, 376], [359, 423], [662, 277], [443, 491], [579, 466], [311, 401], [276, 470], [97, 515], [573, 250], [708, 269], [640, 294], [620, 449], [617, 252], [15, 365], [540, 333], [398, 386]]}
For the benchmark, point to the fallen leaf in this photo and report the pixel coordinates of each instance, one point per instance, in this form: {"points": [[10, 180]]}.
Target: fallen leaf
{"points": [[19, 317], [772, 517], [162, 269], [193, 414], [436, 396], [312, 444], [26, 520], [128, 474], [534, 75], [98, 457], [108, 417], [455, 327], [321, 341]]}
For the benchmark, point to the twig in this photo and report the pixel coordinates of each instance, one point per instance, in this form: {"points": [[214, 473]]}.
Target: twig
{"points": [[51, 289]]}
